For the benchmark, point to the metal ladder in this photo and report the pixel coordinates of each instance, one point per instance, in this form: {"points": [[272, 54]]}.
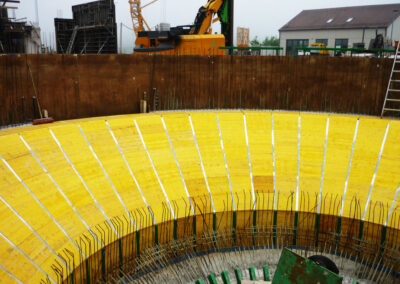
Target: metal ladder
{"points": [[393, 90], [71, 42]]}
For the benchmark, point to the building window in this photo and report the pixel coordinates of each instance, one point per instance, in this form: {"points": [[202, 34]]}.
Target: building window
{"points": [[329, 21], [292, 44], [341, 43], [322, 40]]}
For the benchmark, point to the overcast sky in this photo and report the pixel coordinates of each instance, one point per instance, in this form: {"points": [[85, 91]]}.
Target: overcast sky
{"points": [[263, 17]]}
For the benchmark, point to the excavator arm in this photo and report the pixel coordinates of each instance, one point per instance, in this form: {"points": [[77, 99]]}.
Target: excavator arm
{"points": [[205, 18]]}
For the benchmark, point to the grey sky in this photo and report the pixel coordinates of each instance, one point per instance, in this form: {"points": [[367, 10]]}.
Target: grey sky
{"points": [[263, 17]]}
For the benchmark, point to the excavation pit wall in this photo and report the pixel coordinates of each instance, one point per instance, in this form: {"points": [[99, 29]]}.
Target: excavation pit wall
{"points": [[79, 86]]}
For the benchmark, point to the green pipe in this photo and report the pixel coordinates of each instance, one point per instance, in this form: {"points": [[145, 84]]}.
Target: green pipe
{"points": [[361, 231], [234, 226], [175, 230], [296, 223], [254, 226], [239, 276], [211, 279], [194, 233], [156, 235], [274, 227], [266, 273], [338, 230], [225, 277], [383, 238], [252, 273], [317, 224], [120, 255], [87, 271], [103, 262], [138, 244]]}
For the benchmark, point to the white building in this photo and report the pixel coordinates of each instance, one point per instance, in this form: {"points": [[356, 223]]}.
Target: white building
{"points": [[345, 27]]}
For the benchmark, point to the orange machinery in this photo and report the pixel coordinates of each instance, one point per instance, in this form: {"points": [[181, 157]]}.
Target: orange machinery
{"points": [[189, 39]]}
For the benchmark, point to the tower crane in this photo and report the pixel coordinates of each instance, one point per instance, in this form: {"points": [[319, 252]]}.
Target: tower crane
{"points": [[138, 20]]}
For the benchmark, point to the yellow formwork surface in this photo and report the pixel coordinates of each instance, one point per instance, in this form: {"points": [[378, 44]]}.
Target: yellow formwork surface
{"points": [[260, 148], [207, 134], [338, 152], [180, 133], [270, 135], [285, 128], [366, 152], [234, 137]]}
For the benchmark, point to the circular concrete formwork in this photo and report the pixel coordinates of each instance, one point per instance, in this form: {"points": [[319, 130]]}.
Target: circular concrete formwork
{"points": [[90, 199]]}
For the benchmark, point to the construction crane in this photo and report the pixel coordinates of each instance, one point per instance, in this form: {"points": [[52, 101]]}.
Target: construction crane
{"points": [[138, 21], [188, 39]]}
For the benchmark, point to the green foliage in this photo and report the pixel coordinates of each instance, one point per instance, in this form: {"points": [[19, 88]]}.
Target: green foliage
{"points": [[255, 42], [271, 41], [268, 41]]}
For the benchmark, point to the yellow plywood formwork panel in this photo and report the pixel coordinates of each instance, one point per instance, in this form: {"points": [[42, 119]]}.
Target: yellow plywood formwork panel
{"points": [[78, 151], [207, 134], [387, 177], [248, 160], [366, 152], [260, 147], [156, 141], [234, 137], [312, 146], [124, 188], [286, 141], [52, 158], [180, 132], [338, 153], [138, 161], [40, 186]]}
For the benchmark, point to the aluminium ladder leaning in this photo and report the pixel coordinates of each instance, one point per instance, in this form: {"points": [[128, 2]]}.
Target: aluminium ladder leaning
{"points": [[393, 90]]}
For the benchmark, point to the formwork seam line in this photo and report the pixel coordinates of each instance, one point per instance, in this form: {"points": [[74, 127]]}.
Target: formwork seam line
{"points": [[249, 160], [60, 190], [393, 204], [27, 257], [273, 161], [10, 274], [201, 163], [33, 230], [105, 173], [131, 173], [38, 202], [154, 169], [376, 170], [349, 168], [177, 164], [298, 164], [323, 166], [226, 164], [83, 182]]}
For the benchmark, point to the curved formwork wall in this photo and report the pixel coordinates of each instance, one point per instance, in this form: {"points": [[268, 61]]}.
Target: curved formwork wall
{"points": [[81, 199]]}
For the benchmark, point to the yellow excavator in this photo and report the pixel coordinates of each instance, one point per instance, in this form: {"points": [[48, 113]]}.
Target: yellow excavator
{"points": [[195, 39]]}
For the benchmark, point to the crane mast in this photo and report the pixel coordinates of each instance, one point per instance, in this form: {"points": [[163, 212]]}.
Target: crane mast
{"points": [[138, 21]]}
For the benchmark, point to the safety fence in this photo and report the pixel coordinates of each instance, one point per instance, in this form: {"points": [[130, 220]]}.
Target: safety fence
{"points": [[346, 52], [146, 246]]}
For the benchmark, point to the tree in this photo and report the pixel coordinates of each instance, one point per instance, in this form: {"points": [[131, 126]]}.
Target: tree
{"points": [[271, 41], [255, 42]]}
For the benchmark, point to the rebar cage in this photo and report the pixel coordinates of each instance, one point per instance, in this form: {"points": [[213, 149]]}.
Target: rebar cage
{"points": [[146, 246]]}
